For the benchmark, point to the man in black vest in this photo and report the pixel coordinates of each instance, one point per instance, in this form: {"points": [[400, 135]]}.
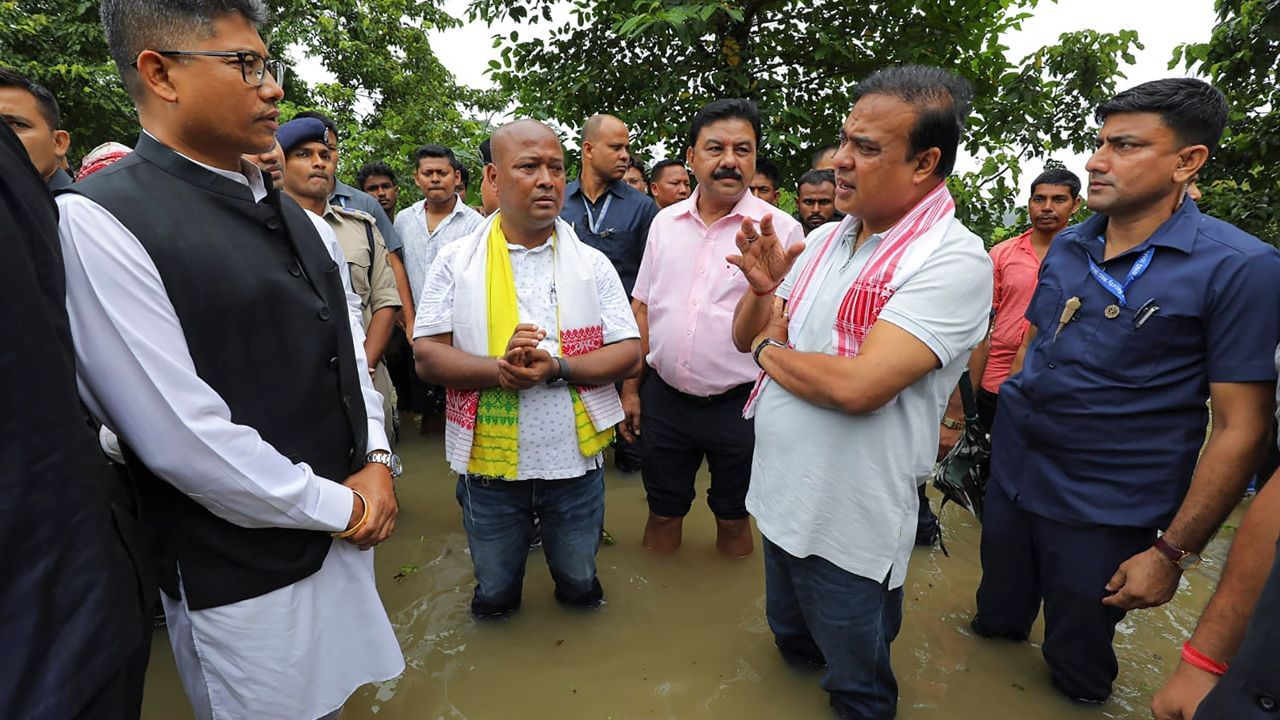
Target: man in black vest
{"points": [[74, 633], [215, 333]]}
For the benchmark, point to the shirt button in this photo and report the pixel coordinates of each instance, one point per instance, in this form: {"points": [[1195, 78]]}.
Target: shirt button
{"points": [[324, 313], [1053, 365], [273, 223], [695, 302], [1267, 703], [294, 269], [333, 363], [346, 401], [684, 363], [688, 332]]}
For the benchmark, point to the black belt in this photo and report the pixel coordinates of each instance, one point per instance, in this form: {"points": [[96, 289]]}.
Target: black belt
{"points": [[734, 393]]}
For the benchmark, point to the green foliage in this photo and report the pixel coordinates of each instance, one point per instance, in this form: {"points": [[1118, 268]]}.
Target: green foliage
{"points": [[390, 93], [655, 62], [1240, 183], [59, 44]]}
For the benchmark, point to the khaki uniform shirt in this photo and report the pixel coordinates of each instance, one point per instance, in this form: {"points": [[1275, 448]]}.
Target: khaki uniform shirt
{"points": [[372, 280]]}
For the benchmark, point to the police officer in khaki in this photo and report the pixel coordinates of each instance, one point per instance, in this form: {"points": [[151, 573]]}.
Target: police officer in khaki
{"points": [[308, 175]]}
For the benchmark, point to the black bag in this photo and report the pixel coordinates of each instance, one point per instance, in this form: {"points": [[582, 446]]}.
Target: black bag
{"points": [[962, 475]]}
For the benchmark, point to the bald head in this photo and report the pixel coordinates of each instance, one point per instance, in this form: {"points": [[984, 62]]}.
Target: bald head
{"points": [[606, 148], [528, 173], [513, 137], [598, 124]]}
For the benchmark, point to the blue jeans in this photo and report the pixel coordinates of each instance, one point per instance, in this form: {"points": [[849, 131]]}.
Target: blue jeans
{"points": [[823, 615], [498, 517]]}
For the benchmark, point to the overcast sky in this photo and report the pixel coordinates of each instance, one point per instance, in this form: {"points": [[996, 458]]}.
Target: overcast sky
{"points": [[1161, 26]]}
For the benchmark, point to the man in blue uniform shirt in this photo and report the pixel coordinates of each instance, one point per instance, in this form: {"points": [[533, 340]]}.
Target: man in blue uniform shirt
{"points": [[1142, 313]]}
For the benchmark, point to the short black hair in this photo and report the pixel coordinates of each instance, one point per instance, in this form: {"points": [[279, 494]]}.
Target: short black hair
{"points": [[464, 174], [135, 25], [941, 102], [739, 108], [655, 172], [769, 169], [371, 169], [816, 177], [329, 124], [817, 154], [486, 152], [433, 151], [634, 163], [1057, 176], [45, 101], [1195, 110]]}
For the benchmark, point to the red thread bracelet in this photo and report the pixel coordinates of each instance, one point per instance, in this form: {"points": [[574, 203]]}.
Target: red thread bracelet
{"points": [[1197, 659], [766, 292]]}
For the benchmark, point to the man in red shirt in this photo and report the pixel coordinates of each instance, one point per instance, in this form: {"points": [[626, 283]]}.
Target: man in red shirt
{"points": [[1055, 197]]}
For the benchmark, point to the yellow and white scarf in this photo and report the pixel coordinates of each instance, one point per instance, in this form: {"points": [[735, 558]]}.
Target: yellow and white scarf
{"points": [[482, 426]]}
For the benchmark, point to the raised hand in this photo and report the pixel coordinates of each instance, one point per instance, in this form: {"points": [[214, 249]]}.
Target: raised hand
{"points": [[764, 261]]}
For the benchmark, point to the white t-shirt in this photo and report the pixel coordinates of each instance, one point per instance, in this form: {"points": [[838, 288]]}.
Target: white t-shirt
{"points": [[843, 487]]}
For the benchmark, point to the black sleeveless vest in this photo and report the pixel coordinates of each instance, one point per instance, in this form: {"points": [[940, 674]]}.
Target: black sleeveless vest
{"points": [[264, 314]]}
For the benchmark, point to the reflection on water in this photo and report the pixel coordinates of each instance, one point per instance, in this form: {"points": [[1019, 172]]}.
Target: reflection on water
{"points": [[684, 636]]}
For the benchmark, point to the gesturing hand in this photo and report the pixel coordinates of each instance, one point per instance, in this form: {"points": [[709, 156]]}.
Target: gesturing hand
{"points": [[764, 262], [521, 369], [376, 485], [525, 338]]}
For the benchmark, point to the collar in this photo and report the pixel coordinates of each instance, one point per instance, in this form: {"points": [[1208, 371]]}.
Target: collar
{"points": [[616, 187], [225, 182], [1178, 232], [58, 180], [748, 206], [342, 190]]}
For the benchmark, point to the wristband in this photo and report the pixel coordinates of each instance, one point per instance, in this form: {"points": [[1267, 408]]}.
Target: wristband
{"points": [[767, 342], [1197, 659], [364, 517], [770, 291]]}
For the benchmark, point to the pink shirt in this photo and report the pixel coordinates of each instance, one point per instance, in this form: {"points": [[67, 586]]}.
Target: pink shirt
{"points": [[1016, 269], [691, 293]]}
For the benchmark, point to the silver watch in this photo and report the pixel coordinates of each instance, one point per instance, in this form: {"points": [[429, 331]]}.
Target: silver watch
{"points": [[390, 459]]}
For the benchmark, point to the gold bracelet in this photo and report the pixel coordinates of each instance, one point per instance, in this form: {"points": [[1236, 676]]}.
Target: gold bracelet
{"points": [[364, 517]]}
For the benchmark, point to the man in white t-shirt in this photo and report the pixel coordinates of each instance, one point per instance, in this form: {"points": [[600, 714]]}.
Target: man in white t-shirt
{"points": [[861, 341]]}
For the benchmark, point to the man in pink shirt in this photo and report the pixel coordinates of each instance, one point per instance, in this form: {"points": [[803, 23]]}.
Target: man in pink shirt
{"points": [[695, 382], [1055, 197]]}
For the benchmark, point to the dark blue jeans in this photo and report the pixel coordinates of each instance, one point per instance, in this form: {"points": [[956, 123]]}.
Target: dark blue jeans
{"points": [[498, 517], [823, 615]]}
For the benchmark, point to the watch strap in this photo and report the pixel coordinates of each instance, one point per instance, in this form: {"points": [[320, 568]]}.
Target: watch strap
{"points": [[1174, 554]]}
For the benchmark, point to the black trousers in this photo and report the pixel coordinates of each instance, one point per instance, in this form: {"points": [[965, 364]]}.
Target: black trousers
{"points": [[987, 404], [1028, 559], [678, 431]]}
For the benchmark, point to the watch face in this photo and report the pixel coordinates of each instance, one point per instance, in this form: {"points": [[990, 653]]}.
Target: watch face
{"points": [[396, 469], [1188, 561]]}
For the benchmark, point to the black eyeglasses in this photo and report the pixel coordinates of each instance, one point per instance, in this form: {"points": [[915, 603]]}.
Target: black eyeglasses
{"points": [[253, 67]]}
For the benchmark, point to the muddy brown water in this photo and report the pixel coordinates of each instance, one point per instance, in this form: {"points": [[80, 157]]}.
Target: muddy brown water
{"points": [[684, 636]]}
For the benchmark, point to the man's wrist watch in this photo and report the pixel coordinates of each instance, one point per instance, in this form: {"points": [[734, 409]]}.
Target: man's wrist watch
{"points": [[767, 342], [1184, 559], [562, 371], [952, 423], [390, 459]]}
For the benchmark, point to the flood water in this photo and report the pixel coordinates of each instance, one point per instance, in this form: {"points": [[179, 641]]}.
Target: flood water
{"points": [[684, 636]]}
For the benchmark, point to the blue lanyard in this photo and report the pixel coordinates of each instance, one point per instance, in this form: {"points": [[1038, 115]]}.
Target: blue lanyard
{"points": [[592, 223], [1139, 267]]}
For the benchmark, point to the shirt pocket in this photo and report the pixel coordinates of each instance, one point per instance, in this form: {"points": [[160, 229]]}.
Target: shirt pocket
{"points": [[1046, 308], [1130, 354], [358, 266]]}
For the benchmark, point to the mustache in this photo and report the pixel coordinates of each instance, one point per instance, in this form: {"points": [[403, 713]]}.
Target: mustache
{"points": [[726, 174]]}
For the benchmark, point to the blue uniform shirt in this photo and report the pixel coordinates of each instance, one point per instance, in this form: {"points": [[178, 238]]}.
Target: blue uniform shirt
{"points": [[623, 229], [1103, 425]]}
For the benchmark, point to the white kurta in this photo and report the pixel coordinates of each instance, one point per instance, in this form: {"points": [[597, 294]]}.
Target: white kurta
{"points": [[297, 652]]}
